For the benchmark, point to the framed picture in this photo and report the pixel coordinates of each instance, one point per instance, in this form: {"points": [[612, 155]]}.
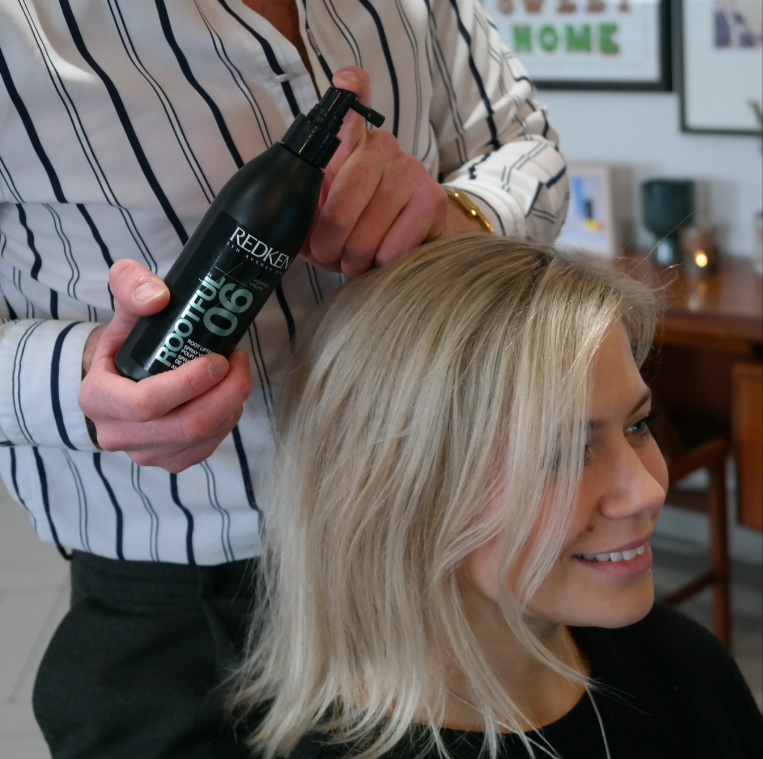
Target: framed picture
{"points": [[588, 44], [590, 224], [719, 63]]}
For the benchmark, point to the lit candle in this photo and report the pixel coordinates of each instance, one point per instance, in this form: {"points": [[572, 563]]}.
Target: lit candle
{"points": [[698, 249]]}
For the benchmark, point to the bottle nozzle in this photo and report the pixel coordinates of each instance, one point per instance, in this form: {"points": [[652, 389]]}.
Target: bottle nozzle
{"points": [[367, 113], [313, 137]]}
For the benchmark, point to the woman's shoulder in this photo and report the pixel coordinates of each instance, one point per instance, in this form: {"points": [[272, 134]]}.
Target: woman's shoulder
{"points": [[681, 677], [667, 631], [665, 643], [665, 687]]}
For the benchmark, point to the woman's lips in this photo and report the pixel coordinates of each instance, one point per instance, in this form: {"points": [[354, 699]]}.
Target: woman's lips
{"points": [[625, 563]]}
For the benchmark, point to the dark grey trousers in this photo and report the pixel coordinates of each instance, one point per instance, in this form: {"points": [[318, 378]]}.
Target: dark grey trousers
{"points": [[134, 671]]}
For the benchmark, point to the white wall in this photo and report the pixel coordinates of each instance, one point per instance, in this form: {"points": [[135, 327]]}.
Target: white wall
{"points": [[639, 134]]}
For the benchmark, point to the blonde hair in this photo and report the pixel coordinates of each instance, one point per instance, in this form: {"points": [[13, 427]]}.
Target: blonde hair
{"points": [[428, 389]]}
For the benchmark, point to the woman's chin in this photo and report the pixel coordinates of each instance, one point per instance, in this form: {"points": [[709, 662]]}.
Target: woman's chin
{"points": [[623, 612], [593, 599]]}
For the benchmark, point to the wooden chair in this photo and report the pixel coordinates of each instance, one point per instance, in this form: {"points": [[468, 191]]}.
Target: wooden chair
{"points": [[681, 462]]}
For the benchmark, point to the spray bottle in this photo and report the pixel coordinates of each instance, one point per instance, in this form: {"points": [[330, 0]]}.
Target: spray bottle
{"points": [[242, 247]]}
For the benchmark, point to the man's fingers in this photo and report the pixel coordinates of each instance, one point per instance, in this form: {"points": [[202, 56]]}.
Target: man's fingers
{"points": [[355, 80], [239, 377], [165, 392], [174, 419], [377, 201], [185, 434], [109, 396], [377, 221], [184, 456], [353, 128], [349, 196], [411, 228], [210, 415], [137, 292]]}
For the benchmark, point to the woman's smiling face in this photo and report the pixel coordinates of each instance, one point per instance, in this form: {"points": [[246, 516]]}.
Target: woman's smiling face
{"points": [[602, 577]]}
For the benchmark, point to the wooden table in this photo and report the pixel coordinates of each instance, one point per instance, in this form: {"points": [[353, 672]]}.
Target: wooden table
{"points": [[707, 368]]}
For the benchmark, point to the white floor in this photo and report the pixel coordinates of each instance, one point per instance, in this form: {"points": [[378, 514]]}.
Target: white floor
{"points": [[34, 597], [673, 567]]}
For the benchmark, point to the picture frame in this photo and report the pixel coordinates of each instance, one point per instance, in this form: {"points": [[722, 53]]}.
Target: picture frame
{"points": [[589, 44], [590, 224], [719, 64]]}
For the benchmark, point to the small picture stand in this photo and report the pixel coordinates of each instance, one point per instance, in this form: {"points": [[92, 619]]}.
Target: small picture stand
{"points": [[590, 222]]}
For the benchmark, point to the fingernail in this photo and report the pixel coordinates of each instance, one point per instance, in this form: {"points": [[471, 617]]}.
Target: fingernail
{"points": [[217, 367], [349, 77], [148, 291]]}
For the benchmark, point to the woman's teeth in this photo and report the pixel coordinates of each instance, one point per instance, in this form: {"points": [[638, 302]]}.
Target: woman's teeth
{"points": [[615, 555]]}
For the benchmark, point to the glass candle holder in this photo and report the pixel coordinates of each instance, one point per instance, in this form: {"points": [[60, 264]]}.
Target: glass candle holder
{"points": [[698, 251]]}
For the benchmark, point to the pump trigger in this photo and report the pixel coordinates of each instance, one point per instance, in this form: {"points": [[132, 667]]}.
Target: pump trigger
{"points": [[367, 113]]}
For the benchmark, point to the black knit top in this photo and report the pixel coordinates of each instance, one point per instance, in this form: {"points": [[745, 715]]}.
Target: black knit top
{"points": [[668, 690]]}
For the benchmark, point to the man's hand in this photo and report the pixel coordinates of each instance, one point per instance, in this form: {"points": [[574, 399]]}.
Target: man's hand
{"points": [[377, 202], [174, 419]]}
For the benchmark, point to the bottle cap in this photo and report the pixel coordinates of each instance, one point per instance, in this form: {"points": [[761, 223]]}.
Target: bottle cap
{"points": [[314, 137]]}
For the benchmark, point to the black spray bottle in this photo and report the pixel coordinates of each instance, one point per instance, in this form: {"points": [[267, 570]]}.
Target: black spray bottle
{"points": [[242, 247]]}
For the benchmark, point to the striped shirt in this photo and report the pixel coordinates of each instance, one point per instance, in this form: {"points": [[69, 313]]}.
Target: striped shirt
{"points": [[119, 122]]}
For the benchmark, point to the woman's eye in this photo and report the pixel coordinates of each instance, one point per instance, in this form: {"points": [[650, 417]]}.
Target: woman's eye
{"points": [[641, 427], [586, 455]]}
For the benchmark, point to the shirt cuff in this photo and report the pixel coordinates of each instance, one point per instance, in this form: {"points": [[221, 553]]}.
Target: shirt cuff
{"points": [[40, 377]]}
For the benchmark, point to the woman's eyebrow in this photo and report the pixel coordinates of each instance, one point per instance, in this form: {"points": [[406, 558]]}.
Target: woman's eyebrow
{"points": [[647, 396]]}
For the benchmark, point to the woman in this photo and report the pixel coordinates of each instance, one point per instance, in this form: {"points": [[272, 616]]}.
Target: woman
{"points": [[459, 549]]}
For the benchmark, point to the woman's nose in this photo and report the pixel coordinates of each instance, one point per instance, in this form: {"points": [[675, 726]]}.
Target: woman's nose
{"points": [[636, 483]]}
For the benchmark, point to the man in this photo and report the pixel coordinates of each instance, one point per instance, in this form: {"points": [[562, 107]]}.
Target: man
{"points": [[120, 123]]}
